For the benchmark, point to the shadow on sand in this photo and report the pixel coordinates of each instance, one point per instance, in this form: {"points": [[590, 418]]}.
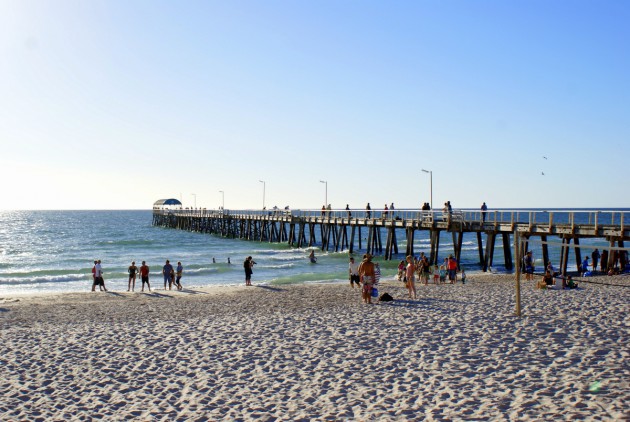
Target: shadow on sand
{"points": [[273, 289]]}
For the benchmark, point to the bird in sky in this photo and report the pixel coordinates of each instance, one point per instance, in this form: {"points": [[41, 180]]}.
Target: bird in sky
{"points": [[542, 172], [544, 157]]}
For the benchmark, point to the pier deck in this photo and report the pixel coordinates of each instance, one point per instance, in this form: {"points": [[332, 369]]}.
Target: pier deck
{"points": [[342, 229]]}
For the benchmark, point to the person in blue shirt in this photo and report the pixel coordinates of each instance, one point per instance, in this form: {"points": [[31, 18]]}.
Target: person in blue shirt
{"points": [[167, 270]]}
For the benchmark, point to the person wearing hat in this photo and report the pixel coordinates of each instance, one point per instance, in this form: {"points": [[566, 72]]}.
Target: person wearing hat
{"points": [[367, 277]]}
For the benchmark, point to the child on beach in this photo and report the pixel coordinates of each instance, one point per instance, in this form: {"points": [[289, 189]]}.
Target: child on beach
{"points": [[401, 270], [571, 284], [442, 274], [463, 276], [436, 274]]}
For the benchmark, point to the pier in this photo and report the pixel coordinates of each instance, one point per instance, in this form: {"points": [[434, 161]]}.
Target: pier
{"points": [[345, 230]]}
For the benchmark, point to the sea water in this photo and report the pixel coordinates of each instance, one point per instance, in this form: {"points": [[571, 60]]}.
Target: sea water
{"points": [[54, 251]]}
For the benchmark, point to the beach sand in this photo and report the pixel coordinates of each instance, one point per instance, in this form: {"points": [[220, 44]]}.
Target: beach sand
{"points": [[316, 352]]}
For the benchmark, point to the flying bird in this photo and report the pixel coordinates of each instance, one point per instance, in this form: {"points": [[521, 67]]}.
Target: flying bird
{"points": [[544, 157], [542, 172]]}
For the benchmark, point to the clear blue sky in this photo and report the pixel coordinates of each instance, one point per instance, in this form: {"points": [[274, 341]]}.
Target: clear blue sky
{"points": [[115, 104]]}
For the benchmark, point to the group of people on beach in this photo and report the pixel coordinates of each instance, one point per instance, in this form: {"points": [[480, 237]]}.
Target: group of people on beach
{"points": [[172, 276], [420, 268]]}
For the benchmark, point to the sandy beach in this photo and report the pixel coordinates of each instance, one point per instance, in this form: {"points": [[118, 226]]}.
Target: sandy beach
{"points": [[304, 352]]}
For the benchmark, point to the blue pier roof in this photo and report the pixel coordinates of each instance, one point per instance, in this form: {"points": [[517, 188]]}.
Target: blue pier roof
{"points": [[162, 202]]}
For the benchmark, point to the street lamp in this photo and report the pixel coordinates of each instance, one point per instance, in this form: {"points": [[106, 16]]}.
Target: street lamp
{"points": [[264, 185], [325, 197], [222, 200], [430, 183], [195, 196]]}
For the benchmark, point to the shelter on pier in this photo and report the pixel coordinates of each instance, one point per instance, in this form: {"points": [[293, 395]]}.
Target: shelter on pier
{"points": [[166, 203]]}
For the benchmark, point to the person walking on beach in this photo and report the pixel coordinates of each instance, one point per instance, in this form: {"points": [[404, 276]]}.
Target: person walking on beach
{"points": [[178, 273], [98, 274], [167, 271], [366, 274], [353, 272], [248, 265], [528, 262], [94, 284], [144, 275], [410, 273], [133, 271]]}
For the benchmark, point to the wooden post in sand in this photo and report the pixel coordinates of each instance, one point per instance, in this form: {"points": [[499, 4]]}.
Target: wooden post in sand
{"points": [[518, 252]]}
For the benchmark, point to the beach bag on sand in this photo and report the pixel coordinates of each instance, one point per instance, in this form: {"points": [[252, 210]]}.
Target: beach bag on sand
{"points": [[374, 292], [386, 297]]}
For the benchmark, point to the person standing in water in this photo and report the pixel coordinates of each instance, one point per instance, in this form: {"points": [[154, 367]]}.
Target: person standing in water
{"points": [[133, 271], [248, 266], [312, 258]]}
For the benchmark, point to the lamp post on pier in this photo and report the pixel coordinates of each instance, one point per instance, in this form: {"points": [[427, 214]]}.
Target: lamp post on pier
{"points": [[264, 186], [195, 196], [222, 201], [430, 184], [326, 195]]}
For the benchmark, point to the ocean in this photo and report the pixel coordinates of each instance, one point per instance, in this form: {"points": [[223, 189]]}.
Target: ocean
{"points": [[53, 251]]}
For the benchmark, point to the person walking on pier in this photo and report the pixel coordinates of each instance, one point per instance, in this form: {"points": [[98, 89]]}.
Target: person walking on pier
{"points": [[368, 211], [348, 211], [167, 271], [484, 210], [144, 275]]}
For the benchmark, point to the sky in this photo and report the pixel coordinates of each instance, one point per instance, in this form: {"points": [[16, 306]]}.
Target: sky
{"points": [[116, 104]]}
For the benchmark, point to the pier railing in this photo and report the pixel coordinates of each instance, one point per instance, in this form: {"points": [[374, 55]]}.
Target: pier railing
{"points": [[329, 228], [560, 217]]}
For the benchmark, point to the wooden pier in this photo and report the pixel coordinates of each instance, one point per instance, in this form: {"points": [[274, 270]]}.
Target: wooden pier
{"points": [[341, 230]]}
